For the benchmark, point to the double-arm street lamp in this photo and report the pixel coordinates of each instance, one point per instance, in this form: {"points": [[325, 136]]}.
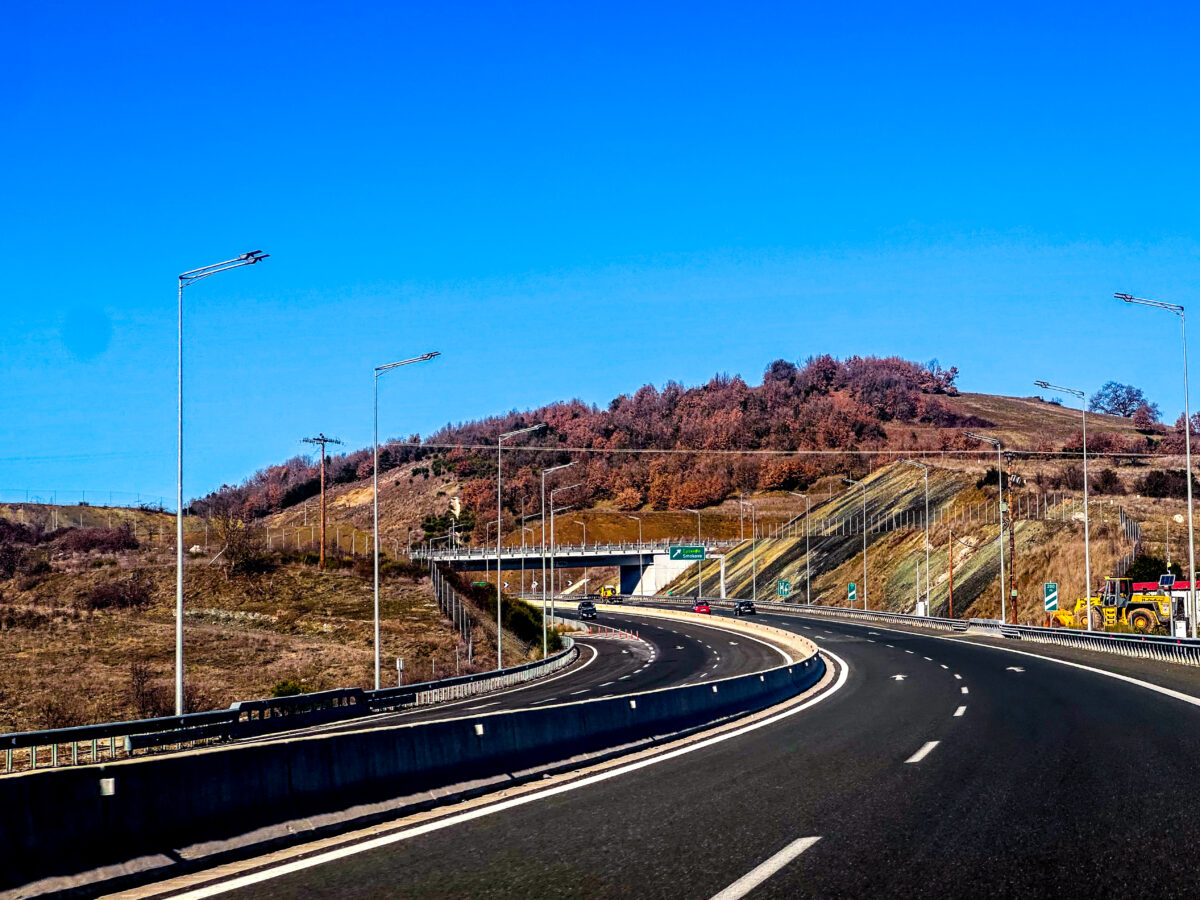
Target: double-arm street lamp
{"points": [[545, 472], [925, 469], [379, 370], [499, 516], [863, 488], [995, 442], [1087, 547], [1187, 439], [185, 279]]}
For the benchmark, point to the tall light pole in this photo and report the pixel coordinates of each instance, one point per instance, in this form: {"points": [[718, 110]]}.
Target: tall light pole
{"points": [[587, 585], [1000, 511], [188, 278], [379, 370], [499, 517], [641, 558], [925, 469], [807, 551], [699, 562], [553, 512], [1087, 548], [863, 487], [545, 472], [1187, 438], [753, 552]]}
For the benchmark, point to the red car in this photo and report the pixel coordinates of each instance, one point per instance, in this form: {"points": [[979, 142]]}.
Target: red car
{"points": [[701, 606]]}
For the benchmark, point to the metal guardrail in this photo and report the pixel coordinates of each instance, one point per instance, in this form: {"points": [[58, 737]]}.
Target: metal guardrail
{"points": [[29, 750], [1182, 651]]}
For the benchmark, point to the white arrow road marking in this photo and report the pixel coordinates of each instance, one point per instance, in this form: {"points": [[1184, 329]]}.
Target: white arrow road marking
{"points": [[923, 752], [958, 712], [899, 677], [765, 870], [1014, 669]]}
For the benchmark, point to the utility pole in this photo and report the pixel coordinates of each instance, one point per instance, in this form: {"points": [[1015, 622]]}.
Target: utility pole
{"points": [[322, 441], [1012, 563]]}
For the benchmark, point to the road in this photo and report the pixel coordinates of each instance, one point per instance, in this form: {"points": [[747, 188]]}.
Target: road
{"points": [[670, 653], [979, 772]]}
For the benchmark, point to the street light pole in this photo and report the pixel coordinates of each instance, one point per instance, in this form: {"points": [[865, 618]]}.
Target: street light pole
{"points": [[699, 562], [587, 585], [1187, 438], [1087, 548], [863, 487], [641, 558], [185, 279], [553, 511], [545, 472], [1000, 513], [925, 469], [499, 520], [379, 370], [807, 551]]}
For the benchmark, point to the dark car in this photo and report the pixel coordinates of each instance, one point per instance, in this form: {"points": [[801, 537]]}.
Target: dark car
{"points": [[701, 606], [587, 610], [744, 608]]}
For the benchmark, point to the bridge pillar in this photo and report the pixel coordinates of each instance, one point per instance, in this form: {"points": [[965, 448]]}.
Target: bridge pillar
{"points": [[659, 571]]}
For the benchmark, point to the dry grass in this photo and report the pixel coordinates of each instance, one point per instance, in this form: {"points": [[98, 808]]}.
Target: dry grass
{"points": [[65, 665]]}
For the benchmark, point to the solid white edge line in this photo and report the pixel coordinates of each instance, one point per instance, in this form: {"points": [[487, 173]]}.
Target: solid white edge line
{"points": [[923, 752], [958, 712], [765, 870], [383, 841]]}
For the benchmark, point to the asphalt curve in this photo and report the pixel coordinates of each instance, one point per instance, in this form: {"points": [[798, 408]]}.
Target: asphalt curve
{"points": [[670, 653], [979, 772]]}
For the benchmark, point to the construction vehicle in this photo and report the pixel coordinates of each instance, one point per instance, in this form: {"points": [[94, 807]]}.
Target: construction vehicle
{"points": [[608, 591], [1119, 604]]}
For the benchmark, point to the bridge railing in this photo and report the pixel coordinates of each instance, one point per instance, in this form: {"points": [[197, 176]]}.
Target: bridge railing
{"points": [[622, 547], [29, 750]]}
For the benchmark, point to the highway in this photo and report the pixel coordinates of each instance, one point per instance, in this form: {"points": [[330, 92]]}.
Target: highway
{"points": [[941, 767], [670, 653]]}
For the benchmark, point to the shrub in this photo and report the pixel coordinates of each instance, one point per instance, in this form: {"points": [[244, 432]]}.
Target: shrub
{"points": [[1168, 483], [129, 593], [104, 540], [1148, 568], [1107, 482], [61, 710], [290, 687], [149, 698]]}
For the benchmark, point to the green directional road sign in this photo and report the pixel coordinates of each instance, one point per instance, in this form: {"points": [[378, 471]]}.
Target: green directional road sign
{"points": [[1051, 592], [692, 553], [852, 592], [783, 589]]}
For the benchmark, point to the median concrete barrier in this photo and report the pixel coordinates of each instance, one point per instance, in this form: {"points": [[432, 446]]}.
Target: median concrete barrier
{"points": [[61, 821]]}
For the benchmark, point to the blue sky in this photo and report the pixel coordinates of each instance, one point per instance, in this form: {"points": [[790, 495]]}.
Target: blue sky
{"points": [[566, 200]]}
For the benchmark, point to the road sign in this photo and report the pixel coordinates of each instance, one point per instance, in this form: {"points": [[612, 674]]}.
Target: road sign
{"points": [[1050, 589], [852, 592], [783, 589], [692, 553], [1166, 581]]}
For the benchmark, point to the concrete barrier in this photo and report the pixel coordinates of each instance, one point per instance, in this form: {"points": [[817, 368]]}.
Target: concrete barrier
{"points": [[62, 821]]}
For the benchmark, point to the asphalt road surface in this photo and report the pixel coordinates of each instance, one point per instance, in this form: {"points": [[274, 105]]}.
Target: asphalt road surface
{"points": [[940, 768], [671, 653]]}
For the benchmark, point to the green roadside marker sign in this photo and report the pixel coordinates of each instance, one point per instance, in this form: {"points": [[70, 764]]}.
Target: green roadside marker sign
{"points": [[783, 589], [852, 592], [692, 553], [1050, 589]]}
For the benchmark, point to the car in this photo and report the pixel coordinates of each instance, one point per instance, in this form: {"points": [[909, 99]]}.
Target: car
{"points": [[587, 610], [701, 606], [744, 608]]}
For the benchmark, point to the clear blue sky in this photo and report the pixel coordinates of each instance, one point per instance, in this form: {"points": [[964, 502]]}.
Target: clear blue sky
{"points": [[566, 200]]}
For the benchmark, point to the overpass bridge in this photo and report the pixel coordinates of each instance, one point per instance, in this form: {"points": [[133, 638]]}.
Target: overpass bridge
{"points": [[646, 568]]}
